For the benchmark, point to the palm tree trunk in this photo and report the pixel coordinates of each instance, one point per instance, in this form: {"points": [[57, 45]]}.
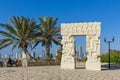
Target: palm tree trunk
{"points": [[28, 55], [47, 51]]}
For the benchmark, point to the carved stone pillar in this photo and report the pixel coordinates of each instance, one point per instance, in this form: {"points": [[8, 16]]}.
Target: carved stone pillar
{"points": [[68, 52], [93, 52]]}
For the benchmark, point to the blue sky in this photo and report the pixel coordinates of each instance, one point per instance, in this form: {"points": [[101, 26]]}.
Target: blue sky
{"points": [[105, 11]]}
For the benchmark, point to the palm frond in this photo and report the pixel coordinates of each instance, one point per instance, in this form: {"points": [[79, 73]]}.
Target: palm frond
{"points": [[43, 23], [9, 28], [54, 22], [36, 44], [5, 45], [14, 46], [43, 43], [4, 40], [14, 21], [21, 32], [8, 35], [58, 42]]}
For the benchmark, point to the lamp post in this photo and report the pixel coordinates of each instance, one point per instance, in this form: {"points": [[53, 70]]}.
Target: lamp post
{"points": [[109, 50]]}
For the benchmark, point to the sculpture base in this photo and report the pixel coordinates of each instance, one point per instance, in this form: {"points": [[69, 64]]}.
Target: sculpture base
{"points": [[69, 63], [24, 63], [93, 66]]}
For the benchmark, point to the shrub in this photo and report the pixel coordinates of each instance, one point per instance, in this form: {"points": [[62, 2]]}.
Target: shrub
{"points": [[114, 57], [37, 58], [50, 59], [59, 55]]}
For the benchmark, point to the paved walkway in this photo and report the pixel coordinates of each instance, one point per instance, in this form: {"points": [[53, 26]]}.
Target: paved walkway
{"points": [[55, 73]]}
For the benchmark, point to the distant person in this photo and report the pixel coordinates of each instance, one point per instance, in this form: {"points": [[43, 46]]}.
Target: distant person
{"points": [[10, 61]]}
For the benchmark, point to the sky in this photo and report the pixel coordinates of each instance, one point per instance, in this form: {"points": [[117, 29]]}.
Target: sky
{"points": [[68, 11]]}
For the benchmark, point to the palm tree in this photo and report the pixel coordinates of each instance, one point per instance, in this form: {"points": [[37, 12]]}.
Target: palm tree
{"points": [[50, 33], [20, 33]]}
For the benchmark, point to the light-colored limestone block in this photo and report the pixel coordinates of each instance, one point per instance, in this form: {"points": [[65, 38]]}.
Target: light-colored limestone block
{"points": [[92, 32], [24, 63]]}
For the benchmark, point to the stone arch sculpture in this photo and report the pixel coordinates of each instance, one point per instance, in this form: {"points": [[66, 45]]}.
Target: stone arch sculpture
{"points": [[92, 32]]}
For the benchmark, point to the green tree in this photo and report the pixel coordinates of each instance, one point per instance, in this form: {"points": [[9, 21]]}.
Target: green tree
{"points": [[50, 33], [37, 58], [114, 56], [20, 33]]}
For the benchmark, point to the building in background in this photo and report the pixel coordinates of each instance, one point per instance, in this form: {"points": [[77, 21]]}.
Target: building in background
{"points": [[20, 55], [33, 54], [43, 55], [79, 53]]}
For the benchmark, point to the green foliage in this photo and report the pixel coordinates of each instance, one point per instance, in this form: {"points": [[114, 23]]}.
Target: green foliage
{"points": [[104, 57], [84, 59], [19, 33], [59, 55], [114, 57], [37, 58], [51, 55], [50, 33], [50, 59], [22, 32]]}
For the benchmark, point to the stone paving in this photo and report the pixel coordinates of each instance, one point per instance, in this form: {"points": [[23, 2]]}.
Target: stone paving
{"points": [[55, 73]]}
